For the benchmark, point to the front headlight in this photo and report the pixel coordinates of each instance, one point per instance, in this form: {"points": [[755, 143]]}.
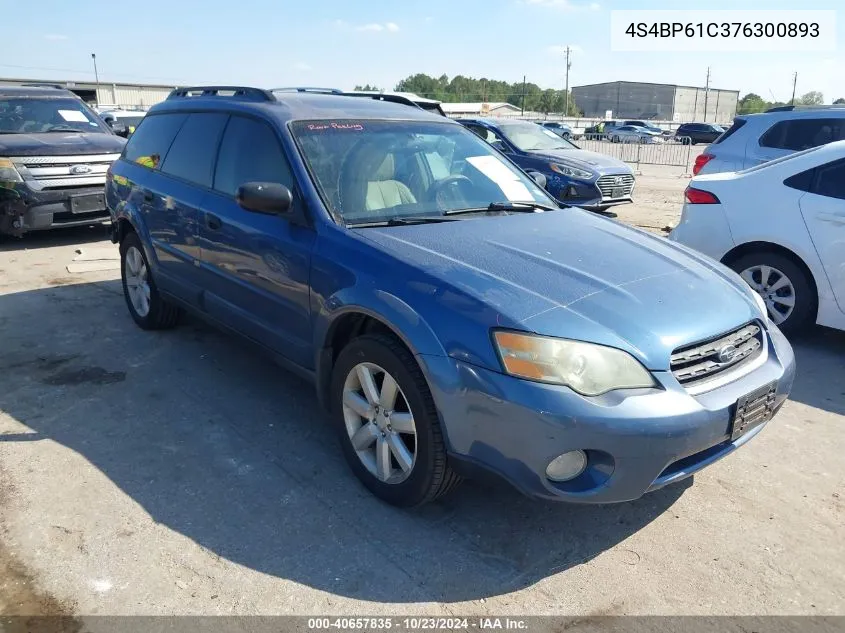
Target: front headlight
{"points": [[589, 369], [570, 171], [8, 173]]}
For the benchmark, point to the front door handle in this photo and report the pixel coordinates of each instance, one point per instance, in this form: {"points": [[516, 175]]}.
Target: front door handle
{"points": [[148, 195], [213, 222]]}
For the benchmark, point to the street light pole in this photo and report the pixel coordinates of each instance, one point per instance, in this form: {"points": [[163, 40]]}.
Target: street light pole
{"points": [[794, 83], [97, 79]]}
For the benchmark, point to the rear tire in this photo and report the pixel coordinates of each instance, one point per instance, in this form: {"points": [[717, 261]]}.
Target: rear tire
{"points": [[359, 415], [146, 305], [790, 296]]}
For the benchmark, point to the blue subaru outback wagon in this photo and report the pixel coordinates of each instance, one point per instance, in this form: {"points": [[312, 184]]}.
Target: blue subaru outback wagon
{"points": [[452, 316]]}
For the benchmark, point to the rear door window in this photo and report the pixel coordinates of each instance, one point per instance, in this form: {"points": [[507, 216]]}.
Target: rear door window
{"points": [[250, 152], [193, 151], [151, 141], [799, 134]]}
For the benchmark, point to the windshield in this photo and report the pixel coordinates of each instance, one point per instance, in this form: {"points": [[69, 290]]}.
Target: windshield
{"points": [[529, 137], [28, 116], [374, 171]]}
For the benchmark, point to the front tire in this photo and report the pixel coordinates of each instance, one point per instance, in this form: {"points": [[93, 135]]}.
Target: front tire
{"points": [[387, 422], [790, 296], [146, 305]]}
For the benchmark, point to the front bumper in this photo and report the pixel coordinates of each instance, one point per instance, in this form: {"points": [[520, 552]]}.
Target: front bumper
{"points": [[23, 209], [636, 441], [584, 194]]}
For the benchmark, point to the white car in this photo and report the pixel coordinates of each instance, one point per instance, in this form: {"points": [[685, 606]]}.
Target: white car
{"points": [[781, 226], [634, 134]]}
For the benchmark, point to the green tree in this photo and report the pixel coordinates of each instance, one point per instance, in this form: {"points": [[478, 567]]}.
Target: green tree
{"points": [[840, 100], [368, 88], [469, 89], [752, 103], [812, 98]]}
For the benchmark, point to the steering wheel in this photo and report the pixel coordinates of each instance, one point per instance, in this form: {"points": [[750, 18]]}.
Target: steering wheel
{"points": [[447, 189]]}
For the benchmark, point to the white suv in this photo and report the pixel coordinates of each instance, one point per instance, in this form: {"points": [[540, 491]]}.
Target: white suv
{"points": [[757, 138]]}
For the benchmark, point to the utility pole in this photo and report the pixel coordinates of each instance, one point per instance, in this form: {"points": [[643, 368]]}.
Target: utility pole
{"points": [[706, 93], [97, 79], [794, 83], [523, 94], [568, 66]]}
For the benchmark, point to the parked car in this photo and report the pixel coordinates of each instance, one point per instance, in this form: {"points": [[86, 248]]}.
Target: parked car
{"points": [[756, 138], [451, 315], [122, 122], [54, 153], [561, 129], [789, 244], [572, 175], [698, 132], [634, 134]]}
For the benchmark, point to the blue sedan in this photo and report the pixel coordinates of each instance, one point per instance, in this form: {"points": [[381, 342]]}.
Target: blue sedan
{"points": [[573, 175]]}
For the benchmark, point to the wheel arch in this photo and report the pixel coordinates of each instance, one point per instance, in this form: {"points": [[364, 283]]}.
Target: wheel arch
{"points": [[353, 320], [755, 247]]}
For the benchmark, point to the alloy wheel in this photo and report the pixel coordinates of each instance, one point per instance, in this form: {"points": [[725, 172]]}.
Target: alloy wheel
{"points": [[379, 423], [137, 281]]}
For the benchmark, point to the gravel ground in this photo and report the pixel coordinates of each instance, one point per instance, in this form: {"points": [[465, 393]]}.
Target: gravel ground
{"points": [[182, 473]]}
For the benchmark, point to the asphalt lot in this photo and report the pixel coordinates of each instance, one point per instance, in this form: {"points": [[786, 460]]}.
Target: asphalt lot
{"points": [[183, 473]]}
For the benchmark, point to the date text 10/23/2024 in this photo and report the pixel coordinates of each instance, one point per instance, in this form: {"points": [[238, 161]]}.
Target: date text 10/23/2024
{"points": [[401, 624]]}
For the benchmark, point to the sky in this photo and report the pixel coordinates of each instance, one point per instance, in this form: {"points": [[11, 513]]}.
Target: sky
{"points": [[339, 44]]}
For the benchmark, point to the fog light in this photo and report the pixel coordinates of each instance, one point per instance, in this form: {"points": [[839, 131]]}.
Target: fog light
{"points": [[567, 466]]}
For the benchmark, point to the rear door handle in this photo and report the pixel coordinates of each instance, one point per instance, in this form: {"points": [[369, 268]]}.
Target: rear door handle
{"points": [[213, 222]]}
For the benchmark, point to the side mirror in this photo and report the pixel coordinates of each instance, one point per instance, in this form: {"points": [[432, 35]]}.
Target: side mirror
{"points": [[120, 129], [539, 178], [265, 197]]}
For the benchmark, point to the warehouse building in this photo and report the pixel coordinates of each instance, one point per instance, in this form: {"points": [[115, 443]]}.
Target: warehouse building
{"points": [[665, 102], [130, 96]]}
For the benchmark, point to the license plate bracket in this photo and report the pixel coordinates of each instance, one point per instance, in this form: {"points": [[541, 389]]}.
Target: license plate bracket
{"points": [[753, 409], [617, 192], [86, 203]]}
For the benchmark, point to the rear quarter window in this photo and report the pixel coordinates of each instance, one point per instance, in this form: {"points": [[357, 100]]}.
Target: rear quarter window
{"points": [[737, 125], [151, 141]]}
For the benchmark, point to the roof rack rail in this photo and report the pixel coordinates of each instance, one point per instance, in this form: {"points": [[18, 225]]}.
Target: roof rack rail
{"points": [[239, 92], [790, 108], [331, 91], [392, 97], [38, 85]]}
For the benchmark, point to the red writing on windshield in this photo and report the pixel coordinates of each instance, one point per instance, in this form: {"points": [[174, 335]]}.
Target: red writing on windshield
{"points": [[317, 127]]}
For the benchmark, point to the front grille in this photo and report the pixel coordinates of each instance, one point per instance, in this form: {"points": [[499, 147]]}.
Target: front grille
{"points": [[60, 172], [702, 362], [621, 186]]}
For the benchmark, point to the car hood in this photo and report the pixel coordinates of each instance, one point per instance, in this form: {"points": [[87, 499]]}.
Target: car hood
{"points": [[60, 144], [576, 275], [582, 157]]}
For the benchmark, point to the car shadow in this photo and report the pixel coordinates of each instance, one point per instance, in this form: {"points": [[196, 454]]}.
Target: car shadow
{"points": [[820, 358], [69, 236], [217, 443]]}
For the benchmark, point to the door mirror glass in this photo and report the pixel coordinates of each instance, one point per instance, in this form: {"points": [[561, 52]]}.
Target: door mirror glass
{"points": [[265, 197]]}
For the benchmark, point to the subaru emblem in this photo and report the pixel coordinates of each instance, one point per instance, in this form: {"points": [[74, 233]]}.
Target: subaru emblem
{"points": [[80, 169]]}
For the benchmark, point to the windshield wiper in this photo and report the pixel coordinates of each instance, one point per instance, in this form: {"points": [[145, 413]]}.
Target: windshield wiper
{"points": [[403, 221], [517, 207]]}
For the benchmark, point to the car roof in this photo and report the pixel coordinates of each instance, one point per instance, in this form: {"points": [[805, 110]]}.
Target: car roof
{"points": [[786, 115], [291, 106], [36, 91], [492, 122]]}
